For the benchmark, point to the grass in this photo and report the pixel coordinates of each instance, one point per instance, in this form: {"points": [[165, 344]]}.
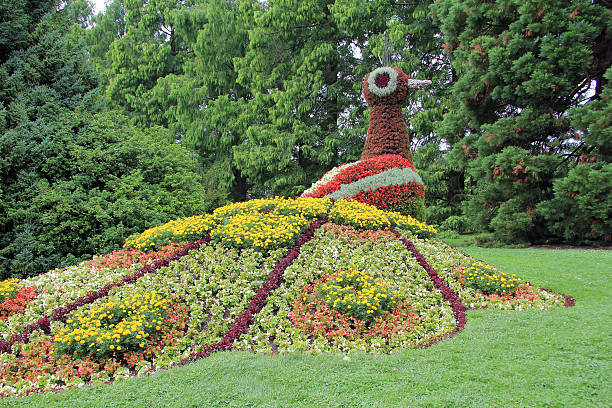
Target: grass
{"points": [[551, 358]]}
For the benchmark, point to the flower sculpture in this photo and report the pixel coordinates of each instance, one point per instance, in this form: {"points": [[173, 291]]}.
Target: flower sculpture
{"points": [[385, 90], [385, 176]]}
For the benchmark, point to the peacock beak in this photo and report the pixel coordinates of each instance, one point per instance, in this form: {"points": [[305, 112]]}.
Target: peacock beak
{"points": [[418, 83]]}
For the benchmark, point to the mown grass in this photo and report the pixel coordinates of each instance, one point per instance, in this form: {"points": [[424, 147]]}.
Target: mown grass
{"points": [[554, 358]]}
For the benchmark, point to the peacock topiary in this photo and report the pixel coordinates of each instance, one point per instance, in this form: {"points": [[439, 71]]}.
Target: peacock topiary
{"points": [[385, 176]]}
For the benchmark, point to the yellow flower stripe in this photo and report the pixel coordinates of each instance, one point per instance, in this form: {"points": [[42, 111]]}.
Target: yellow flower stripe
{"points": [[269, 223], [260, 231], [183, 229]]}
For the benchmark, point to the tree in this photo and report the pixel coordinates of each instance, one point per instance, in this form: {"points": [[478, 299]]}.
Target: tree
{"points": [[145, 48], [76, 179], [205, 101], [521, 67], [581, 208], [304, 66]]}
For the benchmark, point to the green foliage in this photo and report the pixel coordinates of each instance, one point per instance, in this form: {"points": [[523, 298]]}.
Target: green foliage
{"points": [[581, 209], [444, 184], [80, 184], [144, 48], [269, 95], [296, 67], [456, 223], [304, 74], [522, 67], [17, 21], [46, 72], [414, 208], [508, 187], [594, 123]]}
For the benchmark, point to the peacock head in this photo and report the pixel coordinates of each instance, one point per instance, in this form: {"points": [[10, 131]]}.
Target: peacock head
{"points": [[389, 86]]}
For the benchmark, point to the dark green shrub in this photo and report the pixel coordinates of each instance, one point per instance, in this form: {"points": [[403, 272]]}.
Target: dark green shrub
{"points": [[79, 184], [581, 210], [457, 223]]}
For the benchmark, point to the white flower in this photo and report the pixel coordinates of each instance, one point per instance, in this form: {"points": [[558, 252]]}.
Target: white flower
{"points": [[391, 85]]}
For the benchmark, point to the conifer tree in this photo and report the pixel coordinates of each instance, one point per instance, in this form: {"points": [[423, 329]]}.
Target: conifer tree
{"points": [[205, 101], [521, 67]]}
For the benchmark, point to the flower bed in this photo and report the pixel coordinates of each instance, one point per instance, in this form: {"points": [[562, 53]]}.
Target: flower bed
{"points": [[452, 265], [260, 231], [315, 318], [332, 249], [487, 279], [112, 327], [266, 224], [355, 293], [8, 289], [351, 285], [62, 290]]}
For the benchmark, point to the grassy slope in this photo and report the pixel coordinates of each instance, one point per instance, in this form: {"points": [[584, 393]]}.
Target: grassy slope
{"points": [[534, 358]]}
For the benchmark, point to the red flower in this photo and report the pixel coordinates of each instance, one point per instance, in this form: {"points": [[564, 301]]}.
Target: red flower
{"points": [[360, 170], [18, 303], [387, 197]]}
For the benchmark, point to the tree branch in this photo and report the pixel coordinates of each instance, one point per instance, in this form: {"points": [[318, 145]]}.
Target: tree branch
{"points": [[568, 155]]}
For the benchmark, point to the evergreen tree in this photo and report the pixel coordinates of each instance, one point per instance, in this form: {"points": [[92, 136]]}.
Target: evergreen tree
{"points": [[581, 209], [204, 103], [521, 67]]}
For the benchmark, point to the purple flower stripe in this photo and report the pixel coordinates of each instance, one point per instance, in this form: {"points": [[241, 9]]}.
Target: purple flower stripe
{"points": [[447, 293], [61, 313], [242, 322]]}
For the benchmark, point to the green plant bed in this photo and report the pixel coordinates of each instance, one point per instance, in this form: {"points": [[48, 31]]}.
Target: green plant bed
{"points": [[501, 358]]}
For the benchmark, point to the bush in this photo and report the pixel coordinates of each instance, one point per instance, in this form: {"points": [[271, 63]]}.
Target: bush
{"points": [[510, 184], [458, 224], [79, 184], [581, 210]]}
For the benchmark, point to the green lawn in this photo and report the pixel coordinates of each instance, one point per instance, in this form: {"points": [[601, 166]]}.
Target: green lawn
{"points": [[555, 358]]}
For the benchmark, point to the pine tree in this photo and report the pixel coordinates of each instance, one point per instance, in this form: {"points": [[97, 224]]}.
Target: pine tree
{"points": [[205, 102], [521, 67]]}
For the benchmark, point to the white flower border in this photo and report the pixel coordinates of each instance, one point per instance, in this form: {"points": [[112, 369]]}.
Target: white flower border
{"points": [[387, 90]]}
